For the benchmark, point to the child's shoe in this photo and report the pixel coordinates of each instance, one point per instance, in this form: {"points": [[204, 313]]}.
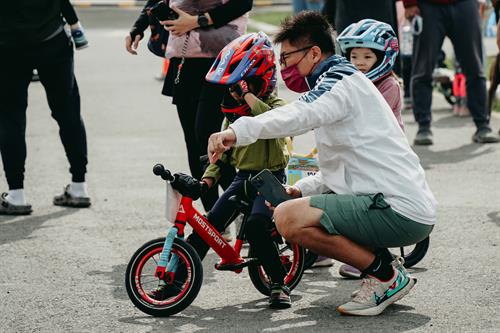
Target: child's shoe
{"points": [[79, 38], [323, 261], [280, 297], [349, 272], [375, 295]]}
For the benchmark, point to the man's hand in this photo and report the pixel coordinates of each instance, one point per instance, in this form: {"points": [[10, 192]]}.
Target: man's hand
{"points": [[220, 142], [183, 24], [412, 11], [293, 191], [132, 46]]}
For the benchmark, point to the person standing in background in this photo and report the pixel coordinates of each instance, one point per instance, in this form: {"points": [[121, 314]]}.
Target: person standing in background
{"points": [[459, 20], [200, 32], [32, 36]]}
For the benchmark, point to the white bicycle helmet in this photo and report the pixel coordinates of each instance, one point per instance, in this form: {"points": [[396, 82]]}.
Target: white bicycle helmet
{"points": [[375, 35]]}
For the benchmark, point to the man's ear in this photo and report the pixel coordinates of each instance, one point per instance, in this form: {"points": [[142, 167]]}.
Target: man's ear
{"points": [[316, 53]]}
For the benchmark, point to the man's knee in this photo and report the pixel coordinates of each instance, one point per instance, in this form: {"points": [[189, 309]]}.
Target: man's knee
{"points": [[285, 219]]}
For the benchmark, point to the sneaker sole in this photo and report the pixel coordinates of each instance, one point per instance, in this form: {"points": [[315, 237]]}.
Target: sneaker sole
{"points": [[477, 140], [381, 307], [423, 142], [280, 306], [348, 275], [81, 47], [322, 264]]}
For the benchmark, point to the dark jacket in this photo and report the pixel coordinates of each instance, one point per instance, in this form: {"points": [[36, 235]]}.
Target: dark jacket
{"points": [[342, 13], [409, 3], [28, 22]]}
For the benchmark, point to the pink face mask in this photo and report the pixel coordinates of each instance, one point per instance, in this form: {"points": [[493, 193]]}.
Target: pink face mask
{"points": [[293, 80]]}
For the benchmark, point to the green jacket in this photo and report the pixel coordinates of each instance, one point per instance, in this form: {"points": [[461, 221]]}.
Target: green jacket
{"points": [[263, 154]]}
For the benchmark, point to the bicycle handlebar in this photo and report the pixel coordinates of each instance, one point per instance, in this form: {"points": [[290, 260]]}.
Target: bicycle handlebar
{"points": [[160, 170]]}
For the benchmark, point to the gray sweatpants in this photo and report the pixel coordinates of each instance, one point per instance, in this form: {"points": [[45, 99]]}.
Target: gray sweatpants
{"points": [[460, 22]]}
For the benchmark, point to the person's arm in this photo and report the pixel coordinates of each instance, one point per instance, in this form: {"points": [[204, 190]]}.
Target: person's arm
{"points": [[314, 109], [311, 185], [142, 22], [498, 34], [229, 11], [217, 17], [137, 32], [411, 8]]}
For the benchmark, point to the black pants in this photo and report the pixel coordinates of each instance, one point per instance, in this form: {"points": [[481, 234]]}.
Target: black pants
{"points": [[198, 107], [257, 230], [54, 61], [460, 22]]}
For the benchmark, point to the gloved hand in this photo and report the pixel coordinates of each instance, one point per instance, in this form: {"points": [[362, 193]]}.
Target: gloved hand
{"points": [[239, 90], [189, 186]]}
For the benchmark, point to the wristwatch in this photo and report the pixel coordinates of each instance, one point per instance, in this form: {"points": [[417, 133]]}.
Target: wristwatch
{"points": [[202, 21]]}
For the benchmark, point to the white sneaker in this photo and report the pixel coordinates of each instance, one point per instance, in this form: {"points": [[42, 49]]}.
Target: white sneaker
{"points": [[323, 262], [375, 295]]}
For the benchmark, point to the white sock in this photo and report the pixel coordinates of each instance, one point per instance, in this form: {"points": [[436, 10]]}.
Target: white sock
{"points": [[76, 26], [78, 189], [16, 197]]}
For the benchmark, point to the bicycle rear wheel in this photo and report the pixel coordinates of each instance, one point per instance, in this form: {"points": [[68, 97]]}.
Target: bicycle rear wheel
{"points": [[142, 284], [292, 258]]}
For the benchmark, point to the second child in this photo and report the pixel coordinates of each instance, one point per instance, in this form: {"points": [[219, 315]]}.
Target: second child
{"points": [[372, 47]]}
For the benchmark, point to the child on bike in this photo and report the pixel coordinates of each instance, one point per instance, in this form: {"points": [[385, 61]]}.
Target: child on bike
{"points": [[69, 14], [372, 47], [247, 66]]}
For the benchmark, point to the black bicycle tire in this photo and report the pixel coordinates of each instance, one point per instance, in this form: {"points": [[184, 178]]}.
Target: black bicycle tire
{"points": [[185, 301], [263, 286], [417, 254], [310, 259]]}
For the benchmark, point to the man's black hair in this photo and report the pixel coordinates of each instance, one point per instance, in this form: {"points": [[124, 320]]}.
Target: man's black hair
{"points": [[307, 28]]}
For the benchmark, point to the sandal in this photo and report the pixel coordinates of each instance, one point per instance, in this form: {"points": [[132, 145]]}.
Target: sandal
{"points": [[7, 208], [68, 200]]}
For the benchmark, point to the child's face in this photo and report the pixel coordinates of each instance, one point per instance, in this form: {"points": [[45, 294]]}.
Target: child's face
{"points": [[363, 58]]}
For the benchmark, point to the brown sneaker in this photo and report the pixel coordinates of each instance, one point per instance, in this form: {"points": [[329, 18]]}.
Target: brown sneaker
{"points": [[68, 200], [7, 208]]}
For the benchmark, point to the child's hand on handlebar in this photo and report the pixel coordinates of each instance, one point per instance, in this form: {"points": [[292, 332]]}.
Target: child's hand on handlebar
{"points": [[189, 186]]}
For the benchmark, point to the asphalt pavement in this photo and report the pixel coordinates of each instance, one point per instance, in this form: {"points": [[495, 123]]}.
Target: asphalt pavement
{"points": [[62, 269]]}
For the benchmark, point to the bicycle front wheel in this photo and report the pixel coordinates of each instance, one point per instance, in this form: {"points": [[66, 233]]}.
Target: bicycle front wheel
{"points": [[157, 297]]}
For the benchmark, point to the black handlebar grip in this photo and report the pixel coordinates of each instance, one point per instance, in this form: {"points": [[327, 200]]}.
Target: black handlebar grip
{"points": [[159, 170]]}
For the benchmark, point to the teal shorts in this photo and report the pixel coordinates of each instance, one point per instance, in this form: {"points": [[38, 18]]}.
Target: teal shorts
{"points": [[368, 220]]}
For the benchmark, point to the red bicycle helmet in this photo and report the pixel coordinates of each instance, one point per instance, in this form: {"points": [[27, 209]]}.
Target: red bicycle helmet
{"points": [[248, 56]]}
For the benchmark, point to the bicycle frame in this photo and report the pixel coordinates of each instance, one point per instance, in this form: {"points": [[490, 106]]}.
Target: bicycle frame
{"points": [[188, 214]]}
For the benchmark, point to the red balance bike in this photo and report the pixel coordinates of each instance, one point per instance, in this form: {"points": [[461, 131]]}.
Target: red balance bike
{"points": [[156, 263]]}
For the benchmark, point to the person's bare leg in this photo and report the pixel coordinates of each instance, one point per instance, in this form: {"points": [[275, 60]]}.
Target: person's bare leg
{"points": [[298, 222]]}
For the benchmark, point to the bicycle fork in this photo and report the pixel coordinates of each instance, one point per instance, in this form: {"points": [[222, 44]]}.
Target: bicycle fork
{"points": [[166, 268]]}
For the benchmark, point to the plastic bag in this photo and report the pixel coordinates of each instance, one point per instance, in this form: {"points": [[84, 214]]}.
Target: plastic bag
{"points": [[172, 204]]}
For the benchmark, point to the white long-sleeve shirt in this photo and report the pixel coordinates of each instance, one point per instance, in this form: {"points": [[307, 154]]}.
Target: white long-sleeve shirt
{"points": [[361, 148]]}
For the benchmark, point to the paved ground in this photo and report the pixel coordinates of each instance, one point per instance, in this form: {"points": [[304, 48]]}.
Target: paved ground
{"points": [[63, 269]]}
